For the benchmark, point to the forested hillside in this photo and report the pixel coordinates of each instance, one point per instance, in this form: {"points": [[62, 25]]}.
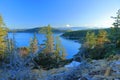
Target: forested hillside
{"points": [[37, 30], [79, 35]]}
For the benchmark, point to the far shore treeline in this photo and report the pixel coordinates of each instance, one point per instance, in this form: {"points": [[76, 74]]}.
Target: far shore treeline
{"points": [[37, 30], [79, 35]]}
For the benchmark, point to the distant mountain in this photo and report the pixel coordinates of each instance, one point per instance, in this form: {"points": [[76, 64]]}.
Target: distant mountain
{"points": [[77, 28], [37, 30], [54, 30]]}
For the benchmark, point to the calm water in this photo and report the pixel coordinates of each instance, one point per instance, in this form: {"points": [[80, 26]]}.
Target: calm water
{"points": [[23, 39]]}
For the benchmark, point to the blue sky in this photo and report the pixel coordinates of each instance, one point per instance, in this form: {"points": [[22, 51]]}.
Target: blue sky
{"points": [[58, 13]]}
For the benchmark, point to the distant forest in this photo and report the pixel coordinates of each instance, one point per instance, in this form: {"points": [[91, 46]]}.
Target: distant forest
{"points": [[79, 35], [37, 30]]}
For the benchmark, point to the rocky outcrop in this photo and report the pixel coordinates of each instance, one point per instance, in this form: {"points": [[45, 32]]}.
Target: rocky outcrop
{"points": [[94, 70], [86, 70]]}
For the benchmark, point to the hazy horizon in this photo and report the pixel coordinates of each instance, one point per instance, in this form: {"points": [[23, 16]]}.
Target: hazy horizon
{"points": [[65, 27]]}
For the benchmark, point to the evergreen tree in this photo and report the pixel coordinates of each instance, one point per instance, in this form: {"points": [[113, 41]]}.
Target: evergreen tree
{"points": [[49, 41], [117, 20], [53, 55], [102, 37], [57, 47], [10, 44], [63, 54], [115, 31], [60, 50], [3, 34], [34, 44], [90, 40]]}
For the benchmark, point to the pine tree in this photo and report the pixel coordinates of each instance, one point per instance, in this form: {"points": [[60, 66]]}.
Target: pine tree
{"points": [[102, 37], [10, 45], [57, 46], [117, 20], [3, 33], [34, 44], [115, 31], [90, 40], [49, 41], [60, 50], [63, 54]]}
